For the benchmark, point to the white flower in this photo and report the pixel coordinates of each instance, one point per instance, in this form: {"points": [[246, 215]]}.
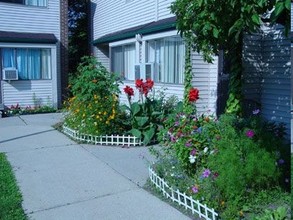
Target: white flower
{"points": [[192, 159], [205, 150]]}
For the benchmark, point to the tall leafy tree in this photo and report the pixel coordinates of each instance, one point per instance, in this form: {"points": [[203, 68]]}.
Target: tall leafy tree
{"points": [[214, 25], [79, 31]]}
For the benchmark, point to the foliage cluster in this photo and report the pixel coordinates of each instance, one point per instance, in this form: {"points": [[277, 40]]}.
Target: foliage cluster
{"points": [[18, 110], [94, 106], [10, 196], [146, 114], [226, 163]]}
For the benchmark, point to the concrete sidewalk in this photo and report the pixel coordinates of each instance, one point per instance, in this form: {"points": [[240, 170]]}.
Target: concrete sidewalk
{"points": [[62, 180]]}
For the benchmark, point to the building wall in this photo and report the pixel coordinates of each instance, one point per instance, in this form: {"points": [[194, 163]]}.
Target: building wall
{"points": [[22, 91], [37, 92], [31, 19], [114, 15], [267, 78]]}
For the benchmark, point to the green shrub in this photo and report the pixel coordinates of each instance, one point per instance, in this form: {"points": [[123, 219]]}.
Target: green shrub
{"points": [[94, 107]]}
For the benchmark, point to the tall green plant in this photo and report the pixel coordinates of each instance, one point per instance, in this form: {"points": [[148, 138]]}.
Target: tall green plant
{"points": [[93, 109], [146, 114]]}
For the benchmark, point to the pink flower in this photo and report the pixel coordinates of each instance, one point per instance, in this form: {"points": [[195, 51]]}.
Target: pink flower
{"points": [[250, 133], [194, 189], [206, 173]]}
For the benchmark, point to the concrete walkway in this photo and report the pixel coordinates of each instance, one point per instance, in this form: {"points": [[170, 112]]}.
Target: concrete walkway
{"points": [[62, 180]]}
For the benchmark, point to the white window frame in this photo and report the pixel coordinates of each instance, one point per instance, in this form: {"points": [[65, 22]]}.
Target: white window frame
{"points": [[122, 43], [142, 47], [154, 37], [55, 65]]}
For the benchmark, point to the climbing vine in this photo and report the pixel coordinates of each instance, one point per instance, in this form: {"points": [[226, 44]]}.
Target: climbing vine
{"points": [[187, 106]]}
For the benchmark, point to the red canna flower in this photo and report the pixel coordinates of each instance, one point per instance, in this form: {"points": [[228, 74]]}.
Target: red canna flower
{"points": [[193, 95], [139, 83], [149, 83], [129, 91]]}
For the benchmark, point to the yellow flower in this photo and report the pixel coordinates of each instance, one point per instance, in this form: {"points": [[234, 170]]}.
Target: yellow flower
{"points": [[105, 113], [241, 213], [222, 203]]}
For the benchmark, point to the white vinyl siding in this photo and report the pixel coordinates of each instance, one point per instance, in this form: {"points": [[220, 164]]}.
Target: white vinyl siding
{"points": [[27, 90], [112, 15], [164, 9], [31, 19], [205, 79]]}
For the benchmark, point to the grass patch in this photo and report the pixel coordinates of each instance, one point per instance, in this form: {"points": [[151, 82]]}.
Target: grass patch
{"points": [[10, 196]]}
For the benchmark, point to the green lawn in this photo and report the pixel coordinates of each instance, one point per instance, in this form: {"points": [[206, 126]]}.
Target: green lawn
{"points": [[10, 196]]}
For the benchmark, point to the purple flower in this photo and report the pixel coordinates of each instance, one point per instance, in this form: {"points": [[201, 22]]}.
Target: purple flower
{"points": [[250, 133], [256, 111], [281, 161], [193, 152], [194, 189], [188, 144], [173, 139], [176, 123], [206, 173]]}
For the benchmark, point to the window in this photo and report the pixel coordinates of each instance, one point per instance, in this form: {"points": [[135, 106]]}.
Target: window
{"points": [[27, 2], [123, 60], [167, 54], [31, 63]]}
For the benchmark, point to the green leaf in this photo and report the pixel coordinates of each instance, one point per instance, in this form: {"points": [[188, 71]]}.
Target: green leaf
{"points": [[156, 113], [287, 4], [141, 121], [215, 32], [148, 135], [238, 25], [135, 132], [135, 108], [124, 108], [255, 18], [279, 7]]}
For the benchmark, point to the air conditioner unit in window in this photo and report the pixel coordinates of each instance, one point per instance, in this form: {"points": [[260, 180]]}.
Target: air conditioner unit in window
{"points": [[149, 70], [10, 74]]}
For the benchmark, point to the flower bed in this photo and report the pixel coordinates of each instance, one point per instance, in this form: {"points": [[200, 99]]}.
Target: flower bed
{"points": [[181, 198], [123, 140]]}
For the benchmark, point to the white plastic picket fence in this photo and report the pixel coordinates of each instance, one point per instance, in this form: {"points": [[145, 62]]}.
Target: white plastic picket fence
{"points": [[124, 140], [181, 198]]}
